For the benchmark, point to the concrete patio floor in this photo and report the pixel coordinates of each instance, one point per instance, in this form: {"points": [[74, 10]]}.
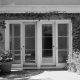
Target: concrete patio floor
{"points": [[40, 75]]}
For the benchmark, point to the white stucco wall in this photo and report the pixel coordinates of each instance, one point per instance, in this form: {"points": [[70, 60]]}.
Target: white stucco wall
{"points": [[0, 2], [41, 2]]}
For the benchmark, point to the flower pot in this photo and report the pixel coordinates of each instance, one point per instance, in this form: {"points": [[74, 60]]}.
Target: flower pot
{"points": [[6, 67]]}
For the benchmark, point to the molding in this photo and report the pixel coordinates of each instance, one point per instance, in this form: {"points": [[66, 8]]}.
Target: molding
{"points": [[39, 8]]}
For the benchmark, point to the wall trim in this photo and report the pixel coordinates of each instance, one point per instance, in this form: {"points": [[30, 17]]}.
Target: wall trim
{"points": [[39, 8]]}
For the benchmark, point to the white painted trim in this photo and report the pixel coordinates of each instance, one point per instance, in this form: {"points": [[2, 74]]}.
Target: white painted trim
{"points": [[70, 38], [23, 42], [7, 35], [54, 42], [39, 45], [39, 8], [21, 21], [21, 38]]}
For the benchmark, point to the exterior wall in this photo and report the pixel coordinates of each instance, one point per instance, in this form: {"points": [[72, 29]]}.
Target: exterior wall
{"points": [[74, 17], [2, 31], [40, 2], [0, 2]]}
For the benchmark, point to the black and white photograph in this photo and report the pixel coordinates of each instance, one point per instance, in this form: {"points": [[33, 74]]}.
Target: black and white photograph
{"points": [[39, 40]]}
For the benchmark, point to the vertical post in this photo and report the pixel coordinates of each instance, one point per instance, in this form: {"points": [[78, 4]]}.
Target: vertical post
{"points": [[54, 42], [56, 28], [22, 39], [39, 45], [7, 35], [70, 37]]}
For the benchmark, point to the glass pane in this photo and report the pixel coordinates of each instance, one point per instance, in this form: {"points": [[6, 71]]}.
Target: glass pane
{"points": [[11, 30], [47, 29], [62, 42], [47, 53], [47, 43], [62, 56], [14, 43], [29, 30], [62, 29], [30, 56], [15, 29], [30, 43], [47, 56], [16, 57]]}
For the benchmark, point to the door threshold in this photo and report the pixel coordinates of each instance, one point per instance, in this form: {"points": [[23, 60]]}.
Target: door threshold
{"points": [[29, 67], [16, 69], [52, 67], [48, 65]]}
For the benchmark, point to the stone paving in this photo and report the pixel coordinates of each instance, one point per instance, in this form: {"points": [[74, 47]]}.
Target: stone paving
{"points": [[40, 75]]}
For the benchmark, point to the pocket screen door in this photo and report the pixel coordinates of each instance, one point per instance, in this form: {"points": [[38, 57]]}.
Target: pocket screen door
{"points": [[15, 45], [29, 34]]}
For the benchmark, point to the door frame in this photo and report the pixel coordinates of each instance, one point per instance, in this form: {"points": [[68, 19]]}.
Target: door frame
{"points": [[38, 38], [7, 40], [23, 33], [53, 42], [69, 40], [21, 37]]}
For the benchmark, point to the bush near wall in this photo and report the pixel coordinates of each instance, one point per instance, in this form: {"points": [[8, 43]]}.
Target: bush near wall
{"points": [[74, 61]]}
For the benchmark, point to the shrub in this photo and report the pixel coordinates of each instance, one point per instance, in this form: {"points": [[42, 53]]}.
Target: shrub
{"points": [[74, 61]]}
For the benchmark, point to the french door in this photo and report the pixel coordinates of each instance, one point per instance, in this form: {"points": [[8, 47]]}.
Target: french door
{"points": [[29, 44], [20, 39], [39, 43], [48, 43], [56, 42], [63, 41], [13, 42]]}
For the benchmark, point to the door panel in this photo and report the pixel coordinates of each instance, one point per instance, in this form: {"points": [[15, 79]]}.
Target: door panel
{"points": [[63, 42], [15, 42], [29, 43], [62, 29], [62, 56], [55, 42], [47, 43]]}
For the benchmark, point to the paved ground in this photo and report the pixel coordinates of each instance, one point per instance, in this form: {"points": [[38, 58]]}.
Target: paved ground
{"points": [[40, 75]]}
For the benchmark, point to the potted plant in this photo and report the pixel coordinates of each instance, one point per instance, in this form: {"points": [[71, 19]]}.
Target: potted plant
{"points": [[5, 57], [6, 60]]}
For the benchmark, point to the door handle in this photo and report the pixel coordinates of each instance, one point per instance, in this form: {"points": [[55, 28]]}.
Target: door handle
{"points": [[53, 46], [23, 46]]}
